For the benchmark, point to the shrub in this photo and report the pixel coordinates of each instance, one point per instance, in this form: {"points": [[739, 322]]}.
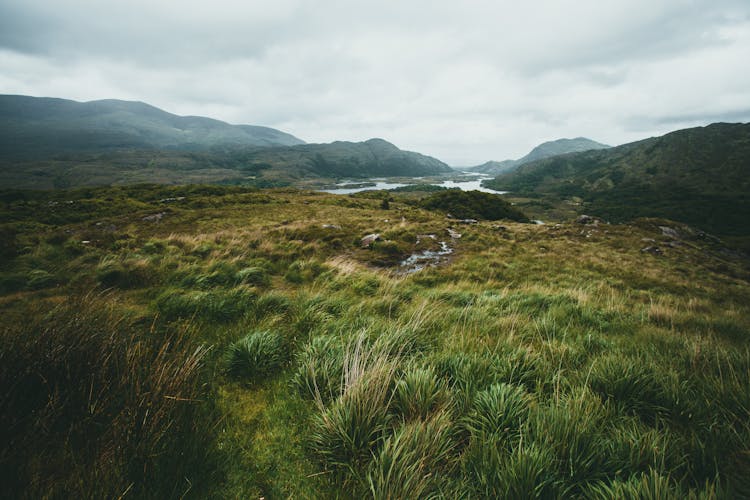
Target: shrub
{"points": [[257, 355], [473, 205]]}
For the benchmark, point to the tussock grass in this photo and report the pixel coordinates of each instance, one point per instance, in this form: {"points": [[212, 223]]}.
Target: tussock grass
{"points": [[255, 356], [95, 406]]}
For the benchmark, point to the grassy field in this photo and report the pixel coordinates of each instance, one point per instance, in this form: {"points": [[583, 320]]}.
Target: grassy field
{"points": [[218, 342]]}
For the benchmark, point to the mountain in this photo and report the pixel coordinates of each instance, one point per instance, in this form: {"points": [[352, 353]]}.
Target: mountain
{"points": [[700, 176], [38, 127], [372, 158], [261, 167], [544, 150], [48, 143]]}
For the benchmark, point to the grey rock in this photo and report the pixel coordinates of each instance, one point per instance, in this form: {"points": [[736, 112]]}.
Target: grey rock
{"points": [[368, 240]]}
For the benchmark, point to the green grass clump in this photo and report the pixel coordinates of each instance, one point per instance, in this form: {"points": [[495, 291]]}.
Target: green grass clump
{"points": [[415, 461], [419, 394], [634, 385], [320, 366], [253, 275], [346, 433], [215, 305], [500, 409], [255, 356]]}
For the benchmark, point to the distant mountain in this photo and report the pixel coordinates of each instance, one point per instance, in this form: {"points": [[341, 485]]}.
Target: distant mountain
{"points": [[47, 143], [37, 127], [700, 176], [372, 158], [544, 150], [262, 167]]}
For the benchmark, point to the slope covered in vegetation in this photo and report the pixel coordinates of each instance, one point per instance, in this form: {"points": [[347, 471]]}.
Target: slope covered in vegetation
{"points": [[291, 360], [699, 176]]}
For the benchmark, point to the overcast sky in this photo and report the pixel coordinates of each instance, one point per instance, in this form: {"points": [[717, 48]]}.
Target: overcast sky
{"points": [[465, 82]]}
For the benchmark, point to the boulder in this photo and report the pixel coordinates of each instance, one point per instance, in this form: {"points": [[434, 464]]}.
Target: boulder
{"points": [[587, 219], [369, 239], [653, 250]]}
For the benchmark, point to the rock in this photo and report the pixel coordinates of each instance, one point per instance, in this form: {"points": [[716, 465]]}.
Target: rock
{"points": [[368, 240], [467, 221], [169, 200], [453, 234], [670, 232], [653, 250], [155, 217], [331, 226], [587, 219]]}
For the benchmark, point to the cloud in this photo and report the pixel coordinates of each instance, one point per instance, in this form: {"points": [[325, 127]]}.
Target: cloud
{"points": [[463, 81]]}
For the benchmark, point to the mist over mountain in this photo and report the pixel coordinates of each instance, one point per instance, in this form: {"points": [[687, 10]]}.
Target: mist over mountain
{"points": [[699, 176], [544, 150], [37, 127], [57, 143]]}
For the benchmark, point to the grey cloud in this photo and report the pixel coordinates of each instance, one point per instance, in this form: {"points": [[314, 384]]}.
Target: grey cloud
{"points": [[466, 82]]}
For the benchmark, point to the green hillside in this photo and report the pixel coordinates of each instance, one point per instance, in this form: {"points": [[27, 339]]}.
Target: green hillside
{"points": [[37, 127], [700, 176], [225, 342]]}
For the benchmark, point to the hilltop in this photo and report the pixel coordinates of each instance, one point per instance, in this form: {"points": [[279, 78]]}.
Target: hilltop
{"points": [[544, 150], [700, 176], [38, 127]]}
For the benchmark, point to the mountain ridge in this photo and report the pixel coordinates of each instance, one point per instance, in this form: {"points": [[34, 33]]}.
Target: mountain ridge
{"points": [[544, 150], [37, 127]]}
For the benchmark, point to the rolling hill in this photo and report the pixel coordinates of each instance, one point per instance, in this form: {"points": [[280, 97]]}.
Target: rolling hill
{"points": [[544, 150], [699, 176], [37, 127]]}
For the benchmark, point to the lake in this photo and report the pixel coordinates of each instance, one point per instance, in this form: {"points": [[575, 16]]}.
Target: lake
{"points": [[378, 183]]}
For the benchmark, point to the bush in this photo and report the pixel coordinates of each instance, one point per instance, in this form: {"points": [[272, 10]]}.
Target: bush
{"points": [[257, 355], [473, 205]]}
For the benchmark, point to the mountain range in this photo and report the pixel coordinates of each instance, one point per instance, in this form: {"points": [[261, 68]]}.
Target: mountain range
{"points": [[48, 142], [544, 150]]}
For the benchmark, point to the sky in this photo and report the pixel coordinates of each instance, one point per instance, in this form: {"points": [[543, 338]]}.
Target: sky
{"points": [[466, 82]]}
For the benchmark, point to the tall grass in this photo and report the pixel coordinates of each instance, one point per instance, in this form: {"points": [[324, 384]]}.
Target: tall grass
{"points": [[96, 406]]}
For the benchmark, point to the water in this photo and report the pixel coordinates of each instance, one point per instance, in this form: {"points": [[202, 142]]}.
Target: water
{"points": [[379, 183], [418, 261]]}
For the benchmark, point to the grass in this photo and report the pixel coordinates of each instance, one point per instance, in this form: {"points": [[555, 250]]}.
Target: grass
{"points": [[537, 362]]}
